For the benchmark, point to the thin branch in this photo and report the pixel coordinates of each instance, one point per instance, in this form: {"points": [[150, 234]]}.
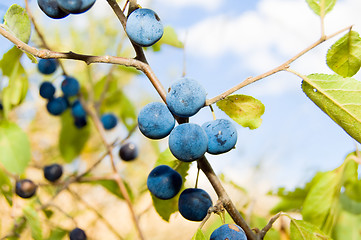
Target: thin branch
{"points": [[88, 59], [123, 20], [281, 67], [108, 79], [269, 225], [224, 198], [116, 176], [41, 36]]}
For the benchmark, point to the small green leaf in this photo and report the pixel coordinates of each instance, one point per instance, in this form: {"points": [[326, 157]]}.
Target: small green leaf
{"points": [[113, 187], [199, 235], [15, 92], [19, 226], [6, 187], [344, 57], [48, 213], [17, 21], [71, 139], [118, 103], [14, 147], [32, 58], [243, 109], [9, 58], [170, 38], [166, 208], [316, 6], [33, 219], [339, 98], [302, 230], [57, 234], [290, 200]]}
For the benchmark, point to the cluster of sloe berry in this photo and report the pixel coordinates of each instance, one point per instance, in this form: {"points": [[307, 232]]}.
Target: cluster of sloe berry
{"points": [[26, 188], [61, 8], [187, 141], [70, 88]]}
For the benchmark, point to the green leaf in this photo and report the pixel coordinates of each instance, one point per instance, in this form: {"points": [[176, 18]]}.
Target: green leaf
{"points": [[33, 219], [321, 199], [169, 37], [317, 7], [9, 58], [48, 213], [17, 21], [199, 235], [71, 139], [348, 227], [118, 103], [57, 234], [165, 208], [339, 98], [243, 109], [320, 205], [344, 57], [350, 205], [113, 187], [15, 92], [6, 187], [32, 58], [290, 200], [14, 147], [353, 190], [18, 227], [302, 230]]}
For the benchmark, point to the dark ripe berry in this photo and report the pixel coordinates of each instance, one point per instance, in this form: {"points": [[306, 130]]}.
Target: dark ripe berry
{"points": [[75, 6], [144, 27], [57, 106], [77, 234], [186, 97], [25, 188], [1, 106], [70, 86], [109, 121], [188, 142], [80, 122], [47, 90], [155, 120], [47, 66], [164, 182], [52, 9], [193, 204], [53, 172], [77, 110], [128, 151], [228, 231]]}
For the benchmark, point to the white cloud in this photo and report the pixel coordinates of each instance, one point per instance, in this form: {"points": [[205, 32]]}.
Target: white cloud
{"points": [[206, 4], [275, 31]]}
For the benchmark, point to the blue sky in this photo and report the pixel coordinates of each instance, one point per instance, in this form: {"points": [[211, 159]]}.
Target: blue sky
{"points": [[230, 40]]}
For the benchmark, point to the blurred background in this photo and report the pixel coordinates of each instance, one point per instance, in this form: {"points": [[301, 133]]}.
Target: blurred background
{"points": [[225, 42]]}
